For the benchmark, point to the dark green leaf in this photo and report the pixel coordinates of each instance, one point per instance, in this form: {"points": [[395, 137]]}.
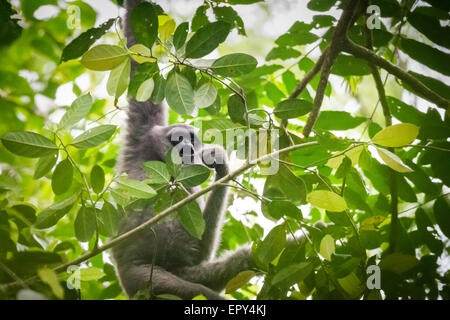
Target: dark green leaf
{"points": [[193, 175], [229, 15], [93, 137], [321, 5], [235, 64], [108, 220], [179, 94], [28, 144], [282, 53], [81, 44], [142, 72], [157, 172], [62, 177], [280, 208], [292, 108], [236, 109], [350, 66], [44, 165], [429, 56], [292, 274], [442, 215], [337, 120], [97, 179], [180, 35], [144, 23], [272, 245], [50, 216], [429, 25], [206, 39], [200, 18], [85, 224], [191, 218]]}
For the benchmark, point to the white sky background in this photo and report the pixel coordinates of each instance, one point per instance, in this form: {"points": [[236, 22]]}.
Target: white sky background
{"points": [[263, 23]]}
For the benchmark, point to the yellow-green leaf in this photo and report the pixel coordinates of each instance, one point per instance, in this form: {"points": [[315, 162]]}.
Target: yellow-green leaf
{"points": [[119, 78], [238, 281], [353, 154], [393, 161], [166, 27], [49, 277], [327, 247], [397, 135], [145, 90], [352, 285], [327, 200], [104, 57], [141, 53]]}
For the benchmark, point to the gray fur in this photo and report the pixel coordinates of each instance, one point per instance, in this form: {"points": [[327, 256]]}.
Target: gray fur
{"points": [[184, 266]]}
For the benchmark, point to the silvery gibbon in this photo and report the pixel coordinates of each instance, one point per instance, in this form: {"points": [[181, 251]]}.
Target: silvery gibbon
{"points": [[174, 261]]}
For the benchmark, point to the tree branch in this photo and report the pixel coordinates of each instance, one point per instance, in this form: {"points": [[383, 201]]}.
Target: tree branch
{"points": [[334, 49], [388, 122], [151, 222], [415, 84]]}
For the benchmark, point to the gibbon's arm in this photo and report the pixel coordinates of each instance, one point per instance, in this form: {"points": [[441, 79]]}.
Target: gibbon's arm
{"points": [[141, 115], [215, 206]]}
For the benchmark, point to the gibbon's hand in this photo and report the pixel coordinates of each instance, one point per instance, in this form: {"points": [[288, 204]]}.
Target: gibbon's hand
{"points": [[215, 156]]}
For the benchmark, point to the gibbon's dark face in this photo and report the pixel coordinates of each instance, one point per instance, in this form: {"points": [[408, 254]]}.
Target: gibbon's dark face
{"points": [[182, 138]]}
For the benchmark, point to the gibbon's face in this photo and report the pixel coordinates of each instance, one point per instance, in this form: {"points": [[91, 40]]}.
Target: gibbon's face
{"points": [[182, 138]]}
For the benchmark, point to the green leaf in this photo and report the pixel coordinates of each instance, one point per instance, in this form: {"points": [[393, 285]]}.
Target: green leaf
{"points": [[398, 262], [180, 35], [321, 5], [282, 53], [350, 66], [205, 95], [292, 108], [290, 275], [28, 144], [62, 177], [272, 245], [144, 23], [104, 57], [327, 247], [200, 18], [241, 279], [108, 220], [97, 178], [297, 35], [393, 161], [158, 93], [145, 90], [81, 44], [142, 73], [137, 188], [157, 172], [234, 65], [280, 208], [179, 94], [396, 135], [49, 277], [337, 120], [327, 200], [191, 218], [119, 78], [85, 224], [91, 274], [193, 175], [229, 15], [44, 165], [236, 109], [78, 110], [206, 39], [50, 216], [430, 26], [429, 56], [94, 137], [442, 214]]}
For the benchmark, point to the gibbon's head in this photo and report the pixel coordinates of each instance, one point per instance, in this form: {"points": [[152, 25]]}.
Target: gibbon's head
{"points": [[181, 137]]}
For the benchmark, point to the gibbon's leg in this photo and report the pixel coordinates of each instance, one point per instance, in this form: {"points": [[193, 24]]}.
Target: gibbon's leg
{"points": [[137, 276], [217, 273]]}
